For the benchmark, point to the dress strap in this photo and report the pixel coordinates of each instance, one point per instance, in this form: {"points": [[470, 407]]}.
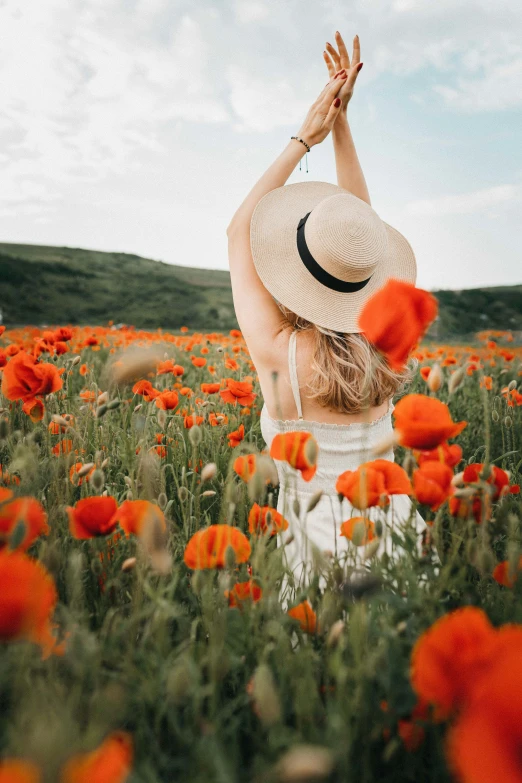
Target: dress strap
{"points": [[292, 366]]}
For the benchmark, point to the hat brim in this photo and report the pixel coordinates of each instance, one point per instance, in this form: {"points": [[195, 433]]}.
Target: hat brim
{"points": [[273, 244]]}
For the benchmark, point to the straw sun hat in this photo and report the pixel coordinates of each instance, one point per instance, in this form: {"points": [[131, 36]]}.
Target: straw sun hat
{"points": [[322, 252]]}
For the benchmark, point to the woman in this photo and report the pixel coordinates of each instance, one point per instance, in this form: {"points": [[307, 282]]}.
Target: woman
{"points": [[304, 259]]}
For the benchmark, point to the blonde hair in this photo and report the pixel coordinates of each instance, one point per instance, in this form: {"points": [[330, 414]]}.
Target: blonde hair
{"points": [[348, 374]]}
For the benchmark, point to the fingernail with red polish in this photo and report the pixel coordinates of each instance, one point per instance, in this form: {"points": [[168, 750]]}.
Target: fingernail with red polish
{"points": [[337, 103], [359, 67]]}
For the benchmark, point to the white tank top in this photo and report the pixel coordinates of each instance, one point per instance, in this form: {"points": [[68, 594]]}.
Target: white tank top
{"points": [[341, 446]]}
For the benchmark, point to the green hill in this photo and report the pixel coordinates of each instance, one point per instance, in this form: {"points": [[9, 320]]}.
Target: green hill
{"points": [[46, 285]]}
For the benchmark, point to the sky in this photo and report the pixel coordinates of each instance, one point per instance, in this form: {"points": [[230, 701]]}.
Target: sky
{"points": [[140, 125]]}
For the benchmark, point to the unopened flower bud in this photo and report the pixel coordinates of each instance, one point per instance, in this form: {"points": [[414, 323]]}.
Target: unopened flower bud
{"points": [[494, 415], [208, 472], [435, 378], [508, 421], [195, 435], [456, 380]]}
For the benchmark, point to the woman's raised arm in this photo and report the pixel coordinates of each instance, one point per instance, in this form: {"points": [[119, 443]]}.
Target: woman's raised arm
{"points": [[258, 315], [349, 171]]}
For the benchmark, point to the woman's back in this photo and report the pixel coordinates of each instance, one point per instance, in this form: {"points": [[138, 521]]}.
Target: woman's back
{"points": [[344, 441]]}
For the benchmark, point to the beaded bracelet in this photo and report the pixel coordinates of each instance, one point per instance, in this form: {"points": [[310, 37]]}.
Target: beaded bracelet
{"points": [[302, 141]]}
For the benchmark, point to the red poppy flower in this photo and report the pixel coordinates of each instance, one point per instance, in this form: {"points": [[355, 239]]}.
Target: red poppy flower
{"points": [[207, 548], [372, 483], [432, 483], [502, 575], [111, 762], [24, 511], [235, 438], [24, 378], [92, 517], [243, 592], [359, 530], [305, 615], [167, 400], [19, 771], [424, 422], [396, 317], [266, 519], [299, 449], [238, 392], [28, 598], [146, 390], [450, 455], [34, 409], [448, 658], [134, 515], [210, 388]]}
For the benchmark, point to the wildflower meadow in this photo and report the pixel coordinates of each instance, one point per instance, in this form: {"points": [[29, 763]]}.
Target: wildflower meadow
{"points": [[150, 629]]}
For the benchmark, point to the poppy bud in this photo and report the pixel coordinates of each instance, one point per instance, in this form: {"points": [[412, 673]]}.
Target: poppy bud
{"points": [[456, 380], [209, 493], [97, 480], [162, 500], [208, 472], [86, 468], [512, 385], [103, 398], [508, 421], [129, 564], [256, 487], [76, 360], [162, 418], [495, 416], [314, 500], [371, 549], [435, 378], [101, 411], [265, 696], [138, 407], [195, 435], [183, 494], [335, 633]]}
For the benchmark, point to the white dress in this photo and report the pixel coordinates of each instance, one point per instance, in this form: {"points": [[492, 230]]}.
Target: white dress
{"points": [[341, 447]]}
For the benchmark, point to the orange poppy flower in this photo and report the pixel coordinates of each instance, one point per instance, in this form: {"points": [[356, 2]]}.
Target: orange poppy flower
{"points": [[432, 483], [217, 419], [372, 483], [238, 392], [207, 548], [425, 372], [25, 511], [479, 505], [448, 658], [34, 409], [210, 388], [245, 466], [243, 592], [450, 455], [266, 519], [28, 598], [88, 396], [75, 469], [111, 762], [62, 447], [501, 573], [424, 422], [178, 370], [18, 771], [146, 390], [483, 745], [305, 615], [231, 364], [235, 438], [361, 528], [190, 421], [486, 382], [198, 361], [167, 400], [186, 391], [24, 378], [396, 317], [299, 449], [133, 515], [92, 517], [84, 369], [165, 367]]}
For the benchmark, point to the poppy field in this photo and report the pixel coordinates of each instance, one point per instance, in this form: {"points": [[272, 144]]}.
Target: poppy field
{"points": [[146, 631]]}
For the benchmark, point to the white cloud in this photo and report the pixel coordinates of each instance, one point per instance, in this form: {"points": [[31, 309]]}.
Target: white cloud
{"points": [[248, 11], [465, 203]]}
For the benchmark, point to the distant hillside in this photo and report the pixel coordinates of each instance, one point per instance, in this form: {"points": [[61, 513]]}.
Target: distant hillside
{"points": [[45, 285]]}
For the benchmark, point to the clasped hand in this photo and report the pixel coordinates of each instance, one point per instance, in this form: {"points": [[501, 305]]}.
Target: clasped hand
{"points": [[336, 94]]}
